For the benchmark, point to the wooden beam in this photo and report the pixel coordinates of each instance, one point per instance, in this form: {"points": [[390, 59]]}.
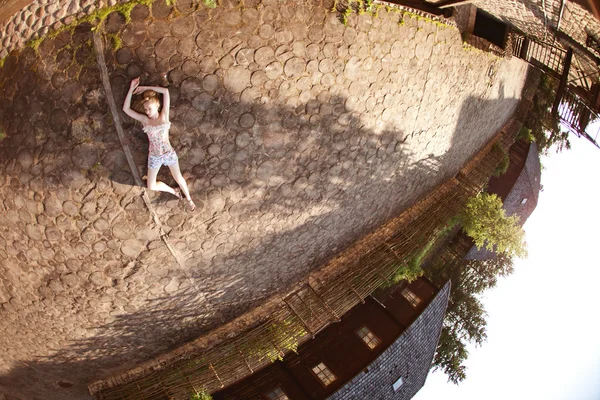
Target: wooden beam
{"points": [[451, 3], [563, 81]]}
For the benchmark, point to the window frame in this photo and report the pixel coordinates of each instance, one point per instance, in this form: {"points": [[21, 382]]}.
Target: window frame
{"points": [[266, 395], [377, 339], [319, 378], [411, 297]]}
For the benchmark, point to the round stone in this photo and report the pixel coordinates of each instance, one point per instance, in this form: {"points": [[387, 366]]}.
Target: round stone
{"points": [[423, 51], [25, 159], [236, 79], [316, 33], [121, 231], [70, 208], [294, 67], [124, 55], [53, 234], [312, 51], [97, 278], [353, 68], [132, 247], [266, 170], [186, 46], [58, 120], [190, 68], [165, 47], [266, 31], [274, 70], [202, 102], [182, 27], [264, 56], [85, 155], [52, 206], [258, 78], [243, 139], [246, 120], [114, 160], [210, 83], [208, 65], [191, 87], [245, 57]]}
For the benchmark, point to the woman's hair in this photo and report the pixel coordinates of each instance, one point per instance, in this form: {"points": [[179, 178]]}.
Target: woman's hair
{"points": [[149, 96]]}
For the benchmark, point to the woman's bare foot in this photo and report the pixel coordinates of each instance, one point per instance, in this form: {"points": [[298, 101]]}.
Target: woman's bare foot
{"points": [[191, 205]]}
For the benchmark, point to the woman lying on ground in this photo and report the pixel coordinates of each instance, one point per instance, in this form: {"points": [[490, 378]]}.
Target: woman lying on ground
{"points": [[156, 125]]}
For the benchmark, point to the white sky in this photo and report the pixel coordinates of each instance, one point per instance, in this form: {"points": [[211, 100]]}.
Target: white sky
{"points": [[544, 319]]}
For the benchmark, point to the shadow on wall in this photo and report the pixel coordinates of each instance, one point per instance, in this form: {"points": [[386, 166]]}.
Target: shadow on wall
{"points": [[168, 322], [263, 156]]}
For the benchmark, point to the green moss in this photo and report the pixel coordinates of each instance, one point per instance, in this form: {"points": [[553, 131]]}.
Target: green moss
{"points": [[2, 135], [116, 42], [2, 62], [96, 18], [210, 3], [35, 43]]}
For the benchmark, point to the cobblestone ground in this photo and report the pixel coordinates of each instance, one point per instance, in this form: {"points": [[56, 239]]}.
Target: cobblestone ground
{"points": [[298, 135]]}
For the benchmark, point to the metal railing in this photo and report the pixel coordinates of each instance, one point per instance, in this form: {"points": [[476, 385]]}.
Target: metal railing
{"points": [[576, 115]]}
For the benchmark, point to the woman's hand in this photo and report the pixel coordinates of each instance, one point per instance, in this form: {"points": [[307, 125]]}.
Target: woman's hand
{"points": [[134, 84]]}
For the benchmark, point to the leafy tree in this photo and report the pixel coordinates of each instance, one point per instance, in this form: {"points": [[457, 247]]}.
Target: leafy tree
{"points": [[484, 220], [465, 316], [544, 126]]}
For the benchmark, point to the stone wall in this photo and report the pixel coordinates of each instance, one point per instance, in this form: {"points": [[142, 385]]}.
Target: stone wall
{"points": [[540, 19]]}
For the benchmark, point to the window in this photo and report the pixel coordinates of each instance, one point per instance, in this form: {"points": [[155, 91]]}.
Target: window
{"points": [[412, 298], [368, 337], [323, 373], [277, 394], [397, 384]]}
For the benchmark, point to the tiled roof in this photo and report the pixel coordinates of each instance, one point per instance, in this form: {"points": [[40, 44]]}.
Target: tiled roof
{"points": [[408, 358]]}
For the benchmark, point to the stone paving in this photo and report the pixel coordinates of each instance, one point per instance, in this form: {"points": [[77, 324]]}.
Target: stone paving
{"points": [[297, 135]]}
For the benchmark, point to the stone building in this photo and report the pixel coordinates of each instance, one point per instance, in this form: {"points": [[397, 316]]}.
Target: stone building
{"points": [[379, 350]]}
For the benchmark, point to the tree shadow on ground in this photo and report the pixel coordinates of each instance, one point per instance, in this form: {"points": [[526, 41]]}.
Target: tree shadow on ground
{"points": [[282, 185], [168, 322]]}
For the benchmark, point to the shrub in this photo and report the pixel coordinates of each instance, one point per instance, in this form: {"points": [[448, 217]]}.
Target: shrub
{"points": [[485, 221]]}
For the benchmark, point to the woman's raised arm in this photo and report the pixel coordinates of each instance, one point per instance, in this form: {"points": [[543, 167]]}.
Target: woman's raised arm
{"points": [[133, 87]]}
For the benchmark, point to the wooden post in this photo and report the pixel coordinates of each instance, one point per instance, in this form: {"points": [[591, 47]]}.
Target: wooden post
{"points": [[563, 81]]}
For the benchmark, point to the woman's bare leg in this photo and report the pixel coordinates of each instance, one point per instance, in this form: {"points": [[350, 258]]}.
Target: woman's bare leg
{"points": [[176, 173], [160, 186]]}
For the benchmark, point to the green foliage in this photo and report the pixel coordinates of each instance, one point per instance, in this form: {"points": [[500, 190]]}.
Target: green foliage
{"points": [[504, 163], [465, 316], [450, 355], [485, 221], [411, 269], [525, 134], [201, 395], [279, 336], [543, 125], [347, 12]]}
